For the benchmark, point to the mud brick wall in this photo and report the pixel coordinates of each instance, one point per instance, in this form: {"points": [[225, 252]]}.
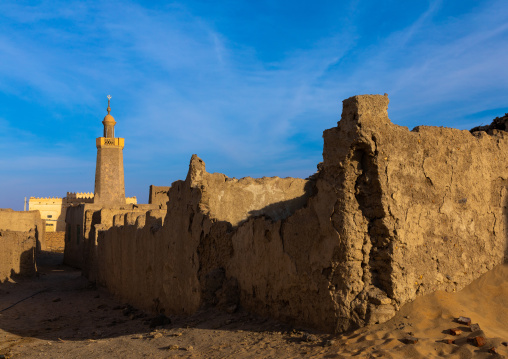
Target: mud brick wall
{"points": [[24, 221], [55, 241], [391, 214], [17, 254], [82, 221], [159, 196]]}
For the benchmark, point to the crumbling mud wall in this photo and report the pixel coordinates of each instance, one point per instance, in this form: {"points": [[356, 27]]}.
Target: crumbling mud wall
{"points": [[55, 241], [392, 214], [17, 254], [165, 275], [159, 196], [82, 222], [21, 234], [418, 211], [24, 221]]}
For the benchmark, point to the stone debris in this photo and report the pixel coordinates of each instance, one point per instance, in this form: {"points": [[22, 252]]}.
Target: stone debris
{"points": [[411, 340], [493, 350], [455, 331], [173, 347], [448, 341], [157, 335], [464, 320], [474, 327], [329, 343], [477, 341], [307, 337]]}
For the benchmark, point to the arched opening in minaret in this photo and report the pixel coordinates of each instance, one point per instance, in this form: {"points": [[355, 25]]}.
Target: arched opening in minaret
{"points": [[109, 131]]}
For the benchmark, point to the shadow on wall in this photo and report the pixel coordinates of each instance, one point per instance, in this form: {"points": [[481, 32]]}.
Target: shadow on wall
{"points": [[27, 267], [506, 226], [368, 194], [282, 210]]}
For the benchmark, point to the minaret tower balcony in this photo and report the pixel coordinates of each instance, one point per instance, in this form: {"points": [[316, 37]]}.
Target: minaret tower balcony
{"points": [[109, 142]]}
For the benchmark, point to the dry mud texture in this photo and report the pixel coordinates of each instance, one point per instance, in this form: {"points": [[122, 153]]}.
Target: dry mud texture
{"points": [[391, 215], [63, 316], [17, 254], [24, 221]]}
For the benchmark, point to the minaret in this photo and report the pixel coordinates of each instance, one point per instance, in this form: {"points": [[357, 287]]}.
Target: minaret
{"points": [[109, 179]]}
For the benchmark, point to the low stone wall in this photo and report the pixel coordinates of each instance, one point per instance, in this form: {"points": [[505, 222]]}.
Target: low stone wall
{"points": [[17, 254], [392, 214]]}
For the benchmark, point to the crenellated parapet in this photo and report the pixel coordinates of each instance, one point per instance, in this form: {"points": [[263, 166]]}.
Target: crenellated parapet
{"points": [[72, 197], [79, 195], [46, 200]]}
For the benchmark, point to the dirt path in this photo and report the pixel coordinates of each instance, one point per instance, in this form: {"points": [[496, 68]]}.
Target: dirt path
{"points": [[68, 319]]}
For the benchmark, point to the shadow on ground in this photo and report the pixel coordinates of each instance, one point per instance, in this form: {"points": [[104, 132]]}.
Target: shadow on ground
{"points": [[61, 305]]}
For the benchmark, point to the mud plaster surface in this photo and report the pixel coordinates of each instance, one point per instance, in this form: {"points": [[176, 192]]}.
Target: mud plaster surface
{"points": [[69, 319]]}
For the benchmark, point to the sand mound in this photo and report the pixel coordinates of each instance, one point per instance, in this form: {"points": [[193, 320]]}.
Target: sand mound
{"points": [[429, 319]]}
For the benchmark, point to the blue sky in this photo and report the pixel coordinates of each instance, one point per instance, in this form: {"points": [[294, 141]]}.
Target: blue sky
{"points": [[249, 86]]}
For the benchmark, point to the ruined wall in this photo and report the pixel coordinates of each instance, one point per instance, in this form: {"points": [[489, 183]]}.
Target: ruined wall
{"points": [[17, 254], [418, 211], [392, 214], [55, 241], [233, 201], [81, 223], [21, 234], [24, 221], [158, 268], [159, 196], [74, 250]]}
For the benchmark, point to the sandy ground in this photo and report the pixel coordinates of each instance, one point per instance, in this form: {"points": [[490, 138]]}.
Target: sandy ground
{"points": [[66, 318]]}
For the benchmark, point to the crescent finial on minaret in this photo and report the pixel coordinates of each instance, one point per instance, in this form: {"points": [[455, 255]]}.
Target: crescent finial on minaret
{"points": [[109, 108]]}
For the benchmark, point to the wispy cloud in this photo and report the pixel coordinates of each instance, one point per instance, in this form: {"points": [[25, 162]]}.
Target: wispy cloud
{"points": [[181, 86]]}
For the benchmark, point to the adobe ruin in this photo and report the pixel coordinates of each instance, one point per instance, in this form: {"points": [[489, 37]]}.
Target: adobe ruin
{"points": [[22, 234], [391, 214]]}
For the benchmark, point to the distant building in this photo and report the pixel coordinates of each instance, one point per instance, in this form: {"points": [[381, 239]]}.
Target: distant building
{"points": [[54, 209], [109, 181], [109, 174]]}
